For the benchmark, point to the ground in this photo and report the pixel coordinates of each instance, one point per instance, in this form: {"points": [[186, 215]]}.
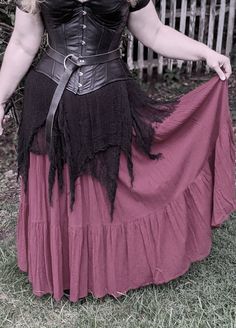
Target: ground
{"points": [[203, 297]]}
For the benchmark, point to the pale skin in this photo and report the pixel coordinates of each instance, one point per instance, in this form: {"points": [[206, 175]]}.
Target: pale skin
{"points": [[144, 24]]}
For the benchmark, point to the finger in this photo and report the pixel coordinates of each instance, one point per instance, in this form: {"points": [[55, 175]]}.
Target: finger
{"points": [[1, 119], [219, 72], [4, 120], [7, 117], [227, 68]]}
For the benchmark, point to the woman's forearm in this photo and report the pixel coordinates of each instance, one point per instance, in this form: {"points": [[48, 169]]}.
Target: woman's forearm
{"points": [[146, 26], [174, 44], [16, 62]]}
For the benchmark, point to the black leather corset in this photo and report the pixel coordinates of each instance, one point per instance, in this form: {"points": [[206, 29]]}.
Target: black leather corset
{"points": [[88, 28]]}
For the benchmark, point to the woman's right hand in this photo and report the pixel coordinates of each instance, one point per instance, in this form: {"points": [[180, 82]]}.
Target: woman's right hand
{"points": [[3, 117]]}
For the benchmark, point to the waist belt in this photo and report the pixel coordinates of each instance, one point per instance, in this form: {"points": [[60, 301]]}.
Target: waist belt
{"points": [[71, 62]]}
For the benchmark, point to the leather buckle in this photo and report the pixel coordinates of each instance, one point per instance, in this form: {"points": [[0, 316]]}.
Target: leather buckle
{"points": [[78, 60]]}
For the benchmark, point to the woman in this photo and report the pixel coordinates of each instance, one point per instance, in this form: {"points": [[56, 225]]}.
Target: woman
{"points": [[118, 190]]}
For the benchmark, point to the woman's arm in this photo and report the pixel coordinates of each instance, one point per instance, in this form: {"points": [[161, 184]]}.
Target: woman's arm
{"points": [[20, 52], [146, 26]]}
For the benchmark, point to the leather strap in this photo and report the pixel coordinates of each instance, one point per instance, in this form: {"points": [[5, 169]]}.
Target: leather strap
{"points": [[83, 60], [71, 62]]}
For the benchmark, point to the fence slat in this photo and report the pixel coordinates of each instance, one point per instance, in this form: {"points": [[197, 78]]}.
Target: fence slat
{"points": [[172, 24], [162, 18], [229, 41], [201, 31], [140, 59], [182, 27], [191, 29], [220, 26], [211, 27], [150, 55]]}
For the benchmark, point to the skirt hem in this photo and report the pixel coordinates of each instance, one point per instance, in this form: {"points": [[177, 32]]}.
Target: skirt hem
{"points": [[117, 294]]}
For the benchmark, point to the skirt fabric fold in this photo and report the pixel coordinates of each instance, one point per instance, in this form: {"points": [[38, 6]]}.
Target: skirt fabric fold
{"points": [[160, 226]]}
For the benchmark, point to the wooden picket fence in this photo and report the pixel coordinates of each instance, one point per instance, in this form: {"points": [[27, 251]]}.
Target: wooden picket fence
{"points": [[209, 21]]}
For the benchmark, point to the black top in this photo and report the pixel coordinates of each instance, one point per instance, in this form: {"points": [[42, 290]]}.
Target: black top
{"points": [[139, 5]]}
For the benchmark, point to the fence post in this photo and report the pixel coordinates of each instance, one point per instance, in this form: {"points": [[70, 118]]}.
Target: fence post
{"points": [[230, 29]]}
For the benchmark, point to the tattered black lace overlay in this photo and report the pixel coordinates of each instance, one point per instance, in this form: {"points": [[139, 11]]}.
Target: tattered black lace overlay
{"points": [[90, 130]]}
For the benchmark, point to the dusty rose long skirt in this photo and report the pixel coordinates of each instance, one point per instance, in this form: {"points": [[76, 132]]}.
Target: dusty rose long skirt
{"points": [[160, 226]]}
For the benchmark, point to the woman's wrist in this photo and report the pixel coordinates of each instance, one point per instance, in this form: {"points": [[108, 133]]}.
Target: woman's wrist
{"points": [[216, 61], [204, 52]]}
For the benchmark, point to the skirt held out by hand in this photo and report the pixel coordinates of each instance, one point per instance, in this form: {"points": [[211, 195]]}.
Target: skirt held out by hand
{"points": [[161, 224]]}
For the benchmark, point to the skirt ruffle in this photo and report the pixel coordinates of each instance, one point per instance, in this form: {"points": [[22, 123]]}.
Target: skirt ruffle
{"points": [[160, 226]]}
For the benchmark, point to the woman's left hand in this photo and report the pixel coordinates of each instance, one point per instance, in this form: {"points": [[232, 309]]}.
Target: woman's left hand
{"points": [[220, 63]]}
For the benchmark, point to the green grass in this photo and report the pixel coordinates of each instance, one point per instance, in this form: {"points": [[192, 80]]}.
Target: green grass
{"points": [[204, 297]]}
